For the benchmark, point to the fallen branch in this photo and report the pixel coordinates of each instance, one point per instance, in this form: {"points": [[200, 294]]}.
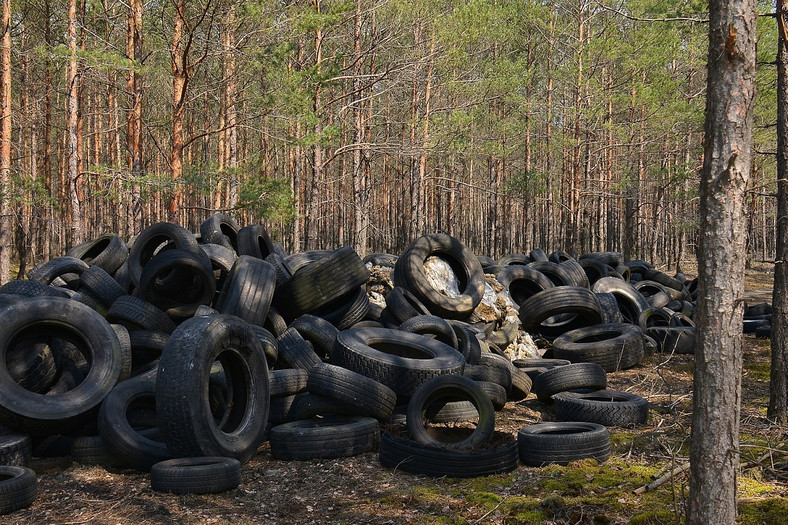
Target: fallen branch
{"points": [[656, 483]]}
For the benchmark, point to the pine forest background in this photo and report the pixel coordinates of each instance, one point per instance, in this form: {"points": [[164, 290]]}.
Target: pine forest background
{"points": [[511, 125]]}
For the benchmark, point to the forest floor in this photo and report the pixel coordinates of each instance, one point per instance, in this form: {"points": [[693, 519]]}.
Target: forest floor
{"points": [[360, 490]]}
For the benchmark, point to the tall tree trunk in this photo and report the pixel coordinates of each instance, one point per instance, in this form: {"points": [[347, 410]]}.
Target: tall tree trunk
{"points": [[134, 116], [5, 143], [74, 180], [46, 161], [317, 149], [360, 193], [714, 450], [231, 114], [778, 388], [179, 84]]}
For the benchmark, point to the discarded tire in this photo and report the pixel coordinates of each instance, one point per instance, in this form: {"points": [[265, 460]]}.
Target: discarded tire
{"points": [[614, 346], [561, 443], [606, 407], [187, 424], [33, 413], [400, 360], [325, 438], [409, 272], [569, 377], [417, 458], [579, 302], [440, 390], [18, 488], [197, 475]]}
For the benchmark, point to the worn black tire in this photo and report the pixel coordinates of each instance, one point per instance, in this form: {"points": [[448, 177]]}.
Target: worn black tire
{"points": [[674, 340], [345, 311], [513, 259], [371, 397], [193, 272], [101, 286], [569, 377], [295, 352], [33, 413], [467, 343], [152, 239], [299, 260], [287, 382], [90, 450], [47, 272], [107, 252], [545, 443], [15, 449], [560, 300], [576, 273], [328, 437], [654, 316], [222, 260], [630, 302], [488, 370], [610, 258], [614, 346], [401, 305], [197, 475], [522, 282], [18, 488], [609, 306], [138, 314], [220, 229], [317, 284], [248, 290], [431, 325], [605, 407], [417, 458], [400, 360], [381, 259], [182, 403], [131, 446], [254, 240], [557, 274], [444, 389], [409, 272], [317, 331]]}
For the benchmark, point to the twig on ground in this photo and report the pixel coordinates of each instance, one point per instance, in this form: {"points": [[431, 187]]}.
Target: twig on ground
{"points": [[656, 483]]}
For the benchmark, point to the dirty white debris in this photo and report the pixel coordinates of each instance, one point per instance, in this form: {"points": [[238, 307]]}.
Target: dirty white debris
{"points": [[441, 277]]}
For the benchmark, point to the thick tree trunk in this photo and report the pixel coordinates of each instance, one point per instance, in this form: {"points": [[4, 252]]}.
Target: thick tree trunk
{"points": [[179, 83], [74, 180], [5, 142], [134, 116], [714, 452], [778, 392]]}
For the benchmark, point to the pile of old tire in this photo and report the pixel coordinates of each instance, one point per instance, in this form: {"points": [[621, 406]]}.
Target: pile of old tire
{"points": [[180, 347], [758, 320], [580, 306], [179, 353]]}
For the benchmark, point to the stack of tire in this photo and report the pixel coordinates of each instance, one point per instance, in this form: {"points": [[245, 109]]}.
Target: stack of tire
{"points": [[180, 353], [758, 320]]}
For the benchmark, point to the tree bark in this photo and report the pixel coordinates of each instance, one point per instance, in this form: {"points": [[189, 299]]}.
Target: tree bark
{"points": [[74, 180], [714, 451], [5, 143], [778, 391], [134, 116], [179, 83]]}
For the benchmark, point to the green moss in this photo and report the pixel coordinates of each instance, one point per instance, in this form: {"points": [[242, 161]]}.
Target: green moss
{"points": [[773, 511], [752, 488], [483, 498], [755, 370]]}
